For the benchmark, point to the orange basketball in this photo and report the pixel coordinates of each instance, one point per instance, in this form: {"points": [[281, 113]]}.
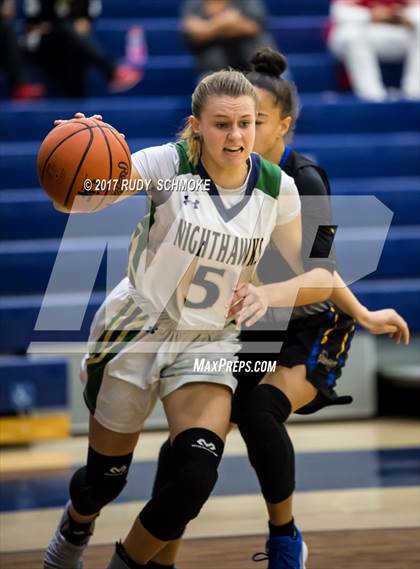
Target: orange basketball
{"points": [[85, 159]]}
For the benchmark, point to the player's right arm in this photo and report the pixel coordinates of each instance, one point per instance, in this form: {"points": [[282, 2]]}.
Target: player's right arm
{"points": [[113, 199], [386, 321]]}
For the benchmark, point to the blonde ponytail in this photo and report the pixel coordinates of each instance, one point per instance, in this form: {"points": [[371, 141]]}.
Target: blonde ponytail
{"points": [[194, 143]]}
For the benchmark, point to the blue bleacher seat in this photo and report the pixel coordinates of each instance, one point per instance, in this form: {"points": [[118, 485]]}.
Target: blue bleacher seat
{"points": [[332, 114], [400, 194], [400, 259], [366, 149], [337, 153], [29, 383], [401, 254], [29, 264], [401, 294], [29, 214], [148, 116], [163, 116], [291, 34], [346, 155], [170, 8], [21, 312], [18, 315], [312, 72], [18, 162]]}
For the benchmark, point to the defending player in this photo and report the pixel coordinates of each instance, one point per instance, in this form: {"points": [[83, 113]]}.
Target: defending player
{"points": [[317, 341], [318, 337], [185, 257]]}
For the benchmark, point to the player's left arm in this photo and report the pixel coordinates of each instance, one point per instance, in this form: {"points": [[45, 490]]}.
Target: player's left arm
{"points": [[317, 212], [386, 321]]}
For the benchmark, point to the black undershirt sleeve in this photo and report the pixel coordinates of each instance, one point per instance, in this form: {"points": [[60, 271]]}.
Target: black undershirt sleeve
{"points": [[317, 229]]}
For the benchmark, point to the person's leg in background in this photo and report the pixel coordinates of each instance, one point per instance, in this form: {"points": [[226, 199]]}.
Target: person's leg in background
{"points": [[9, 53], [65, 68], [399, 44], [12, 62], [410, 83], [351, 45], [363, 47], [77, 62], [270, 451], [86, 47], [262, 427], [80, 51], [321, 341], [120, 77]]}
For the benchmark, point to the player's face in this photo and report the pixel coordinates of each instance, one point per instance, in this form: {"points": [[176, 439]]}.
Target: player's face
{"points": [[271, 128], [227, 127]]}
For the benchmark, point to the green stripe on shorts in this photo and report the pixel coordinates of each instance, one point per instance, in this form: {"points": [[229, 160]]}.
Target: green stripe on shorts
{"points": [[95, 370]]}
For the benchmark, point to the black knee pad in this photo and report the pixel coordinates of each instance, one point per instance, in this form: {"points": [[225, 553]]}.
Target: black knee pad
{"points": [[165, 467], [196, 455], [270, 449], [268, 399], [99, 482]]}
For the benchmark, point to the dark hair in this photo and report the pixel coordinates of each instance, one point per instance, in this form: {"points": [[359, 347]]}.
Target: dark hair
{"points": [[267, 67]]}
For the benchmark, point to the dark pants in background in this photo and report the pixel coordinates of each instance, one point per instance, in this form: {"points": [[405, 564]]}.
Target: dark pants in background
{"points": [[67, 55], [10, 56]]}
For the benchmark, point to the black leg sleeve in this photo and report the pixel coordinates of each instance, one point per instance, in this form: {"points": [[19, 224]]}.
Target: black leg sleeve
{"points": [[270, 449]]}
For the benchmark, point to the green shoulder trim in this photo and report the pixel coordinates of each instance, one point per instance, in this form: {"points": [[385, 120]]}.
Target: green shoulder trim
{"points": [[185, 166], [269, 179]]}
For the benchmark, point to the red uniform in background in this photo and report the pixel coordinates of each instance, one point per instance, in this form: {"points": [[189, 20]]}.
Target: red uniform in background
{"points": [[364, 33]]}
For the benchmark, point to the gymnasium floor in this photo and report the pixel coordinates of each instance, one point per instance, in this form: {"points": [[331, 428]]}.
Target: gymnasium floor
{"points": [[358, 500]]}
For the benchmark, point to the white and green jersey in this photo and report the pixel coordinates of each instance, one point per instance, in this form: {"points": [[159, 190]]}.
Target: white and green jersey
{"points": [[200, 240]]}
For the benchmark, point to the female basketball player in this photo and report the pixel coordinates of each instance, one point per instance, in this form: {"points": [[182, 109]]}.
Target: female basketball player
{"points": [[318, 337], [185, 258], [317, 340]]}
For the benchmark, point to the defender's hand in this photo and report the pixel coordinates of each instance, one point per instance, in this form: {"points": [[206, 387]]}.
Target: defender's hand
{"points": [[386, 321]]}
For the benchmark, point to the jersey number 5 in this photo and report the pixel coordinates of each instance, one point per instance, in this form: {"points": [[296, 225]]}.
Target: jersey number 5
{"points": [[212, 290]]}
